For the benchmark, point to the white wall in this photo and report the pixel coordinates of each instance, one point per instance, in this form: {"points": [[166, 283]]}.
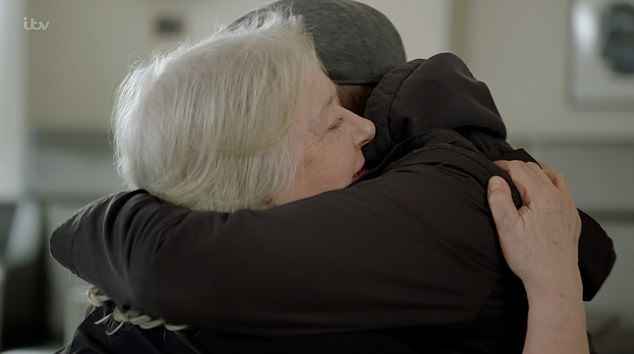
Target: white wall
{"points": [[424, 25], [12, 99], [77, 62], [519, 48]]}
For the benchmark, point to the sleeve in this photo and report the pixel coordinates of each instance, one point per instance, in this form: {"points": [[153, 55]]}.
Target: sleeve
{"points": [[596, 255], [413, 247]]}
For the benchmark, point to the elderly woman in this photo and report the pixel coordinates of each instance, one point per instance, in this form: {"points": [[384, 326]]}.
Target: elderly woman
{"points": [[245, 119], [248, 120]]}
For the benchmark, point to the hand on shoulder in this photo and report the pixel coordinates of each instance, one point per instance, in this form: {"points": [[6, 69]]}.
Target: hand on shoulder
{"points": [[540, 244]]}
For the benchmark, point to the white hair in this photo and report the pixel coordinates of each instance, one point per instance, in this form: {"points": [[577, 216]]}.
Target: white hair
{"points": [[206, 126]]}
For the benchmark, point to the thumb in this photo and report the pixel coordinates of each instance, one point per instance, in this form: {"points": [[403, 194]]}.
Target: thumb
{"points": [[503, 210]]}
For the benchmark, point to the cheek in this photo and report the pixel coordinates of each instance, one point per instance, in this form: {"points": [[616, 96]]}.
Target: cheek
{"points": [[325, 169], [309, 173], [328, 164], [337, 168]]}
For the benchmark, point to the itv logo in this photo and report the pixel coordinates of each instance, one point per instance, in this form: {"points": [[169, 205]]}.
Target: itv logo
{"points": [[31, 24]]}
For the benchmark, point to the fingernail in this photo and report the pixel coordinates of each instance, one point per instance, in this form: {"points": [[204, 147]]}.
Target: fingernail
{"points": [[495, 183]]}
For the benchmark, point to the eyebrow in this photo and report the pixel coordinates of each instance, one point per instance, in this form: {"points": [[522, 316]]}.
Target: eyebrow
{"points": [[331, 100], [333, 96], [322, 123]]}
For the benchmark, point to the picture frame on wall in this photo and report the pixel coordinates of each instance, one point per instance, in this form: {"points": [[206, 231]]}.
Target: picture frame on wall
{"points": [[601, 54]]}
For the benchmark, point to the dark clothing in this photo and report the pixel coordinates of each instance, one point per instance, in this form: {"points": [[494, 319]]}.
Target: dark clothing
{"points": [[91, 338], [412, 245]]}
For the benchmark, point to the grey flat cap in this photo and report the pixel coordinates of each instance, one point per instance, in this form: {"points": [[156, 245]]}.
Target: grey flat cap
{"points": [[356, 43]]}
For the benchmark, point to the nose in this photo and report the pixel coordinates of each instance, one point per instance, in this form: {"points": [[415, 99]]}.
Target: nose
{"points": [[364, 129]]}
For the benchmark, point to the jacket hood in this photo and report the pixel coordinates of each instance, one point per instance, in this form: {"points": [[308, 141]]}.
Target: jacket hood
{"points": [[421, 95]]}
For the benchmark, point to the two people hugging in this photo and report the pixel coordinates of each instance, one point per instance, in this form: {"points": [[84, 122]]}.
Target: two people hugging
{"points": [[300, 187]]}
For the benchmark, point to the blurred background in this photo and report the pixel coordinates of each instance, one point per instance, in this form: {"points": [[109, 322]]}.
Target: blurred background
{"points": [[562, 74]]}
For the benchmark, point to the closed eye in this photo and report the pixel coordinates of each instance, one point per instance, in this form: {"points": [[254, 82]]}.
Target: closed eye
{"points": [[336, 124]]}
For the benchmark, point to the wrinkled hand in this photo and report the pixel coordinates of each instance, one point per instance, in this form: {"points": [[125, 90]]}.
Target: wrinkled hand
{"points": [[540, 239], [540, 243]]}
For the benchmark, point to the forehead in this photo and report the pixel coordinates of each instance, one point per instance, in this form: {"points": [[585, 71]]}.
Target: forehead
{"points": [[323, 84], [319, 96], [319, 92]]}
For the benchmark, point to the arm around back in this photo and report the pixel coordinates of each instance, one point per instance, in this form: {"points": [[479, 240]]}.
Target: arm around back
{"points": [[398, 250]]}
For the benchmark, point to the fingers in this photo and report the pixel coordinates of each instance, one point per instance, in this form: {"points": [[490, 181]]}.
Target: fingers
{"points": [[503, 210], [542, 189], [529, 178], [561, 182], [558, 178]]}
